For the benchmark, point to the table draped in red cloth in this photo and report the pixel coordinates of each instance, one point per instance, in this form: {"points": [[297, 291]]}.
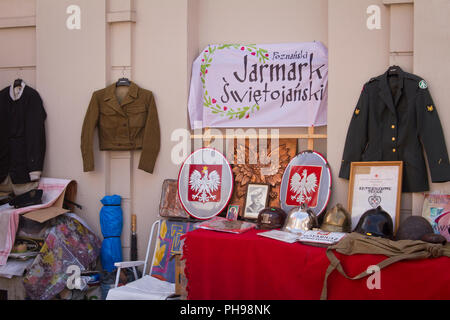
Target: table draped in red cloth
{"points": [[225, 266]]}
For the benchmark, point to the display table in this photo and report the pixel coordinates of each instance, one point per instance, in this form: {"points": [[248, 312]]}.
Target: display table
{"points": [[225, 266]]}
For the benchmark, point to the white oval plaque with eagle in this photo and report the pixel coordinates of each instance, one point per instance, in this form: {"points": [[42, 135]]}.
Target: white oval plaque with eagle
{"points": [[205, 183], [306, 180]]}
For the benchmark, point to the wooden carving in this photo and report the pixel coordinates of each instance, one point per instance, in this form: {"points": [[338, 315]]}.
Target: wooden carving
{"points": [[270, 173]]}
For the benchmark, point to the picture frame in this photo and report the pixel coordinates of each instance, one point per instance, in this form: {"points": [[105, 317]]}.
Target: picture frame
{"points": [[373, 184], [256, 199], [233, 212]]}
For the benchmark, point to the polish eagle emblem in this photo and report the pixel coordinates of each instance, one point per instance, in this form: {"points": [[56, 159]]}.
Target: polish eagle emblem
{"points": [[203, 185], [302, 186]]}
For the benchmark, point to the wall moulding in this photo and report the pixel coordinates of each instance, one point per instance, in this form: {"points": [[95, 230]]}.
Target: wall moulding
{"points": [[18, 22], [389, 2], [18, 68], [121, 16]]}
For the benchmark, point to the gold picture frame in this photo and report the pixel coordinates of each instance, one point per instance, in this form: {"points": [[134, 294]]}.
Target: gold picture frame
{"points": [[373, 184]]}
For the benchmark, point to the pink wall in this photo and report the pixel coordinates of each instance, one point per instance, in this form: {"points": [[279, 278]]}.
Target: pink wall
{"points": [[155, 42]]}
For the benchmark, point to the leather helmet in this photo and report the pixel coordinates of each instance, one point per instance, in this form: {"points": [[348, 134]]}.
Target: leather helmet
{"points": [[413, 228], [337, 220], [271, 218], [377, 223], [418, 228], [434, 238]]}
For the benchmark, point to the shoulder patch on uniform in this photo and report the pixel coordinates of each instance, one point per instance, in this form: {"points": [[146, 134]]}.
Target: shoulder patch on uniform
{"points": [[423, 84]]}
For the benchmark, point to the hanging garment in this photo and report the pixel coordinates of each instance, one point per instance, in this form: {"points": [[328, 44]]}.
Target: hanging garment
{"points": [[395, 116], [131, 124], [355, 243], [22, 134], [17, 189]]}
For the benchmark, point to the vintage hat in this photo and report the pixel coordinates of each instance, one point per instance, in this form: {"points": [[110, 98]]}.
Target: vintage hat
{"points": [[300, 219], [377, 223], [337, 220], [271, 218]]}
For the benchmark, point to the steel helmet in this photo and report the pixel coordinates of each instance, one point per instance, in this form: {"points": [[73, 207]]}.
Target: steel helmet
{"points": [[337, 220], [300, 219], [377, 223]]}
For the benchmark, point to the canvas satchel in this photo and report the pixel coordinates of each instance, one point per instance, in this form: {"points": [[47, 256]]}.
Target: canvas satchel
{"points": [[356, 243]]}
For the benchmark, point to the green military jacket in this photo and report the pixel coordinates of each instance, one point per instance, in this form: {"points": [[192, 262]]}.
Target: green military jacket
{"points": [[395, 116], [130, 125]]}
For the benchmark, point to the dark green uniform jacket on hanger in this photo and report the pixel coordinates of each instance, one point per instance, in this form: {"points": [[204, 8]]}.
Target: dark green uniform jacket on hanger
{"points": [[395, 116], [131, 125]]}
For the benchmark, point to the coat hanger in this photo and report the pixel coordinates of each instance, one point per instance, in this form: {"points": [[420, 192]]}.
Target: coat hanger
{"points": [[393, 70], [124, 81], [18, 81]]}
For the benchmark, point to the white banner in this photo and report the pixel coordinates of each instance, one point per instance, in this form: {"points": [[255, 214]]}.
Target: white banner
{"points": [[268, 85]]}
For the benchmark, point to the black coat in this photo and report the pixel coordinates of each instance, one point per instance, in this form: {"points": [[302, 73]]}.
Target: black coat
{"points": [[394, 118], [22, 135]]}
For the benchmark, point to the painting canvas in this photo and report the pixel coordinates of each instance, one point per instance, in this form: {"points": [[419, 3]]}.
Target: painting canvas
{"points": [[169, 244], [170, 205]]}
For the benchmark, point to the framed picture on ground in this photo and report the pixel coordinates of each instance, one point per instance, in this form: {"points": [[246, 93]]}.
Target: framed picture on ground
{"points": [[374, 184], [256, 199]]}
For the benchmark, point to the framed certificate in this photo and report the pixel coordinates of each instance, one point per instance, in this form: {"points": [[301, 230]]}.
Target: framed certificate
{"points": [[374, 184]]}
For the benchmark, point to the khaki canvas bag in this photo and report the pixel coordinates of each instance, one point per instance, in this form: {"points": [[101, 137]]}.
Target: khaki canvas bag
{"points": [[356, 243]]}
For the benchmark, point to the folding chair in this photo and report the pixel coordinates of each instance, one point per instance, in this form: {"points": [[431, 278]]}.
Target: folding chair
{"points": [[147, 287]]}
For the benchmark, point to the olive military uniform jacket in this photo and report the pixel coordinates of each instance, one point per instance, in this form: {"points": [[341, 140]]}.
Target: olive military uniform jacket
{"points": [[395, 116], [131, 125]]}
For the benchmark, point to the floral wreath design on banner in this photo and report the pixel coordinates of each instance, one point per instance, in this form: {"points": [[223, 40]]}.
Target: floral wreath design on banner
{"points": [[211, 103]]}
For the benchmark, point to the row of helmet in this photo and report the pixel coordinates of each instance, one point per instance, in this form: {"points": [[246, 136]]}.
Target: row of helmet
{"points": [[375, 222]]}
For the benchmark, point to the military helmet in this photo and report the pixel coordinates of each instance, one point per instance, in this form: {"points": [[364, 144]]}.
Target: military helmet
{"points": [[271, 218], [377, 223], [337, 220], [434, 238], [413, 228], [300, 219]]}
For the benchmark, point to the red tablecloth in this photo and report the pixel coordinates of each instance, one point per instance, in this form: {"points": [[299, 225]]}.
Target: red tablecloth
{"points": [[225, 266]]}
